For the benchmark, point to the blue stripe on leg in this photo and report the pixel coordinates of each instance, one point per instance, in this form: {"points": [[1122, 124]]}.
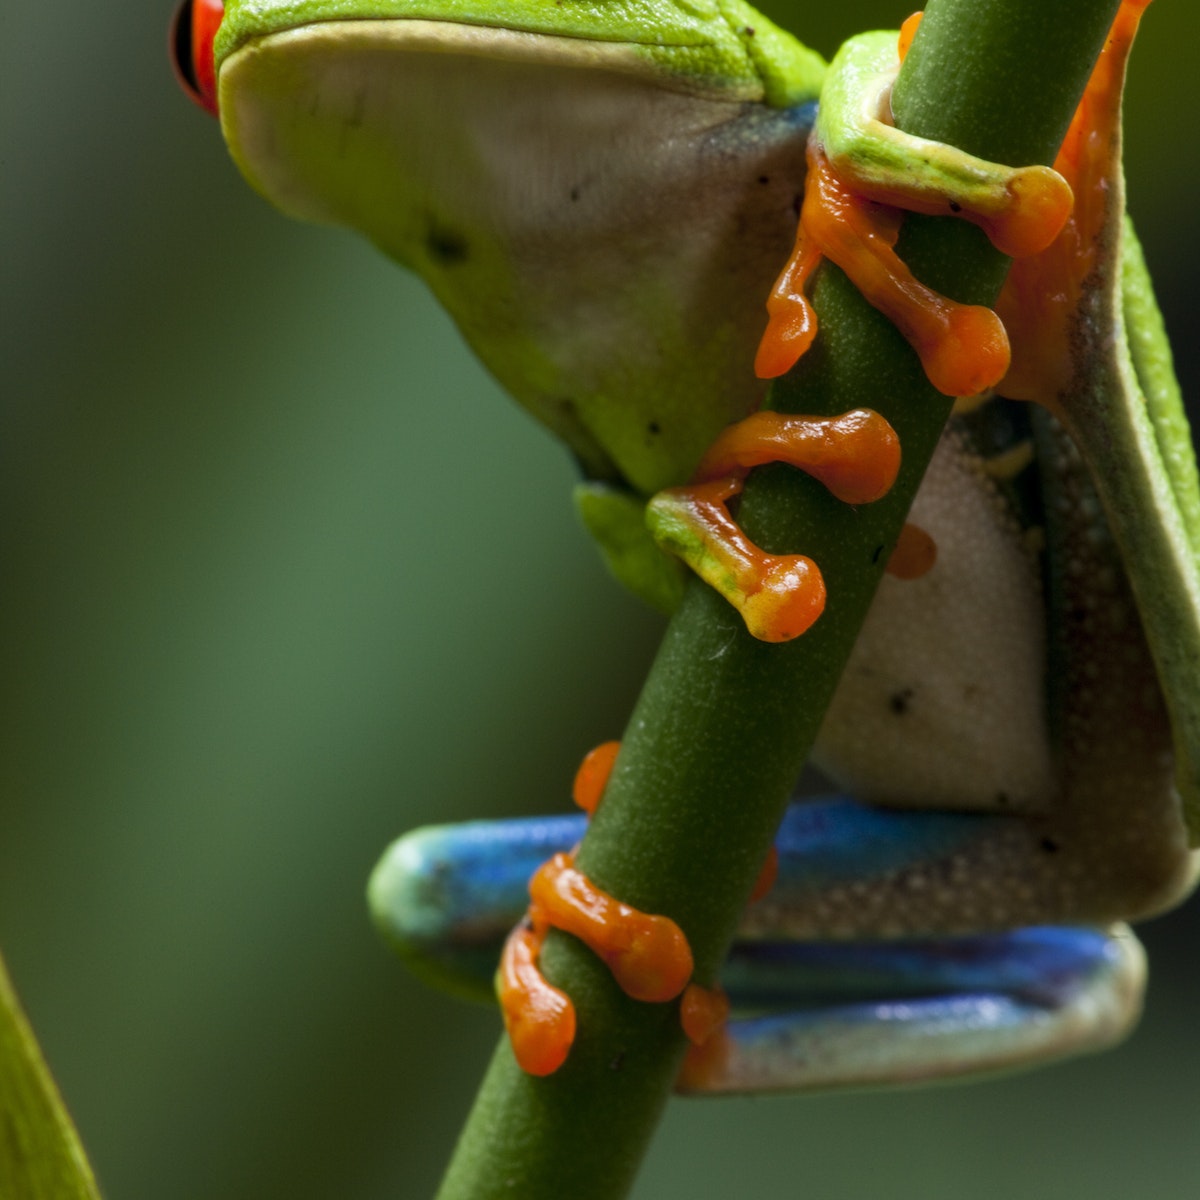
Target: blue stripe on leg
{"points": [[1045, 994], [445, 896], [1040, 964]]}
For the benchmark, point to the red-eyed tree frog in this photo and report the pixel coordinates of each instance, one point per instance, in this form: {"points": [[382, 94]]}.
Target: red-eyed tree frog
{"points": [[601, 196]]}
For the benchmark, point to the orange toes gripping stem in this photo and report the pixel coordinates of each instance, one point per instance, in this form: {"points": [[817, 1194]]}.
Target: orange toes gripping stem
{"points": [[592, 777], [648, 955], [539, 1018], [1042, 293], [855, 222], [855, 455], [702, 1011], [791, 321], [778, 596], [963, 347], [766, 876]]}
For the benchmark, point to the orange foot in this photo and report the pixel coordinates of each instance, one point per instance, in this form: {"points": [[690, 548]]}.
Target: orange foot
{"points": [[856, 456], [648, 955], [854, 221]]}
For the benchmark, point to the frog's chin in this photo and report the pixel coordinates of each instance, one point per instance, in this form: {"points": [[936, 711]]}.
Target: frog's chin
{"points": [[604, 239]]}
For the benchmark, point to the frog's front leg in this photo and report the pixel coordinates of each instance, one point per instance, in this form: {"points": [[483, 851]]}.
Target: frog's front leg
{"points": [[862, 174], [856, 456], [859, 168]]}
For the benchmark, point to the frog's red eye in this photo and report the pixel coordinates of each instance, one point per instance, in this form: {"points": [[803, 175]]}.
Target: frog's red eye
{"points": [[192, 33]]}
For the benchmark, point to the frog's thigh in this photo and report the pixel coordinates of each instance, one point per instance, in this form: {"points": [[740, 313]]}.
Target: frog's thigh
{"points": [[942, 704], [935, 1011]]}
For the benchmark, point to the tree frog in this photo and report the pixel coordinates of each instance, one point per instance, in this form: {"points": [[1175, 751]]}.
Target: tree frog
{"points": [[601, 197]]}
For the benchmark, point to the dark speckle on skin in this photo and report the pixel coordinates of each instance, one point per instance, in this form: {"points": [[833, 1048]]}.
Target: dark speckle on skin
{"points": [[764, 179], [955, 207], [1003, 799], [749, 30], [1050, 845], [899, 701], [654, 428], [445, 246], [878, 552], [575, 193], [617, 1063]]}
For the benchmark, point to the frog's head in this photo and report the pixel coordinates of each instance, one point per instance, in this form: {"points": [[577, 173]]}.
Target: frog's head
{"points": [[600, 195], [193, 31]]}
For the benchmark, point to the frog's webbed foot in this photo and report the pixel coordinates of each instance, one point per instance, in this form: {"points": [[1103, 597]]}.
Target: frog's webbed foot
{"points": [[855, 455], [862, 173]]}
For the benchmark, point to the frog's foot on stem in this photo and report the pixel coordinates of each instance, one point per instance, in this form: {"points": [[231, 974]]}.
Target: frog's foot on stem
{"points": [[855, 455], [861, 173], [648, 955], [1043, 296]]}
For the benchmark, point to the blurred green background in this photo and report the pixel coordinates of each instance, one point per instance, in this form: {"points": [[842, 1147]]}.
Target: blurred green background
{"points": [[284, 575]]}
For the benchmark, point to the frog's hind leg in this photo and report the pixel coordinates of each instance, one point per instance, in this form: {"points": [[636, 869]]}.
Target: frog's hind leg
{"points": [[905, 1012], [444, 897], [834, 961]]}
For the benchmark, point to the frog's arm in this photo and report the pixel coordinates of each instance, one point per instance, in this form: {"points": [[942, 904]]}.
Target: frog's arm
{"points": [[1021, 208], [857, 163]]}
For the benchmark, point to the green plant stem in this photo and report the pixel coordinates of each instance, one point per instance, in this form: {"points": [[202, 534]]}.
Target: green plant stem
{"points": [[724, 722], [41, 1157]]}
